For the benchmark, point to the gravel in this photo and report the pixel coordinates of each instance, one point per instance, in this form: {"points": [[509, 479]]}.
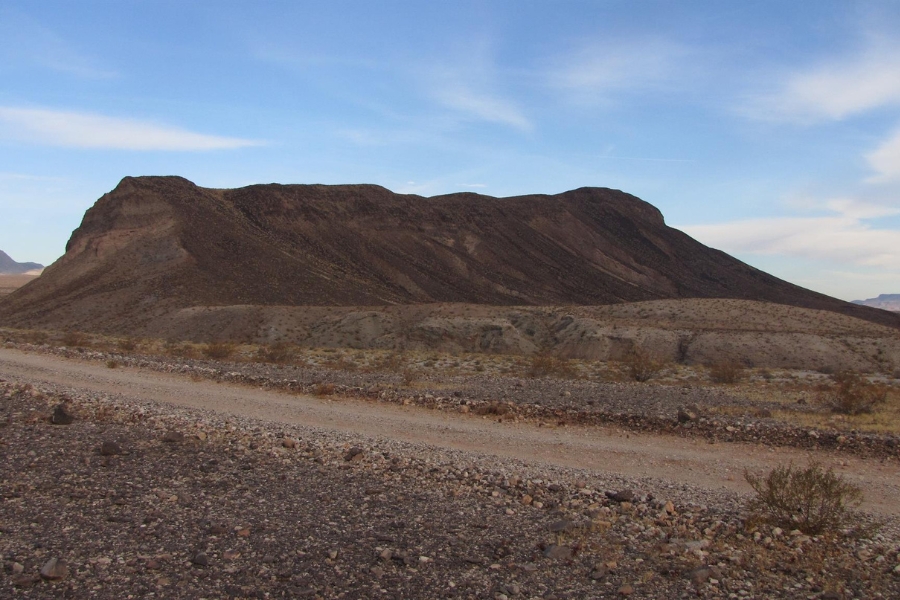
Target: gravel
{"points": [[195, 505]]}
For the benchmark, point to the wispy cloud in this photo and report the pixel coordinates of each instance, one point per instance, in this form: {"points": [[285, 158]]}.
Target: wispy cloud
{"points": [[26, 42], [834, 89], [597, 71], [87, 130], [482, 106], [885, 160], [844, 236]]}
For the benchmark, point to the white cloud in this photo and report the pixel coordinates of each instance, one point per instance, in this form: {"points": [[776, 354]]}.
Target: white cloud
{"points": [[841, 239], [885, 160], [835, 90], [481, 105], [86, 130], [597, 70]]}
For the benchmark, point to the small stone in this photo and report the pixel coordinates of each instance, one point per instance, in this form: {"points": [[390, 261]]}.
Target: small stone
{"points": [[686, 415], [173, 437], [231, 555], [217, 529], [559, 552], [831, 595], [110, 448], [54, 569], [17, 568], [243, 532], [386, 554], [354, 454], [333, 554], [670, 508], [526, 499], [153, 565], [24, 580], [289, 443], [201, 435], [62, 415], [701, 575], [562, 526], [626, 590], [200, 559], [424, 559], [599, 572], [621, 496]]}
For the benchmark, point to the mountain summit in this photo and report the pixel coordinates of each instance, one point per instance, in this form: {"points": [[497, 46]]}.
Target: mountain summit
{"points": [[158, 244]]}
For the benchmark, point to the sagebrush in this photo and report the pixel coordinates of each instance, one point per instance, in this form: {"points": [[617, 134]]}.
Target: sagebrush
{"points": [[853, 394], [811, 499]]}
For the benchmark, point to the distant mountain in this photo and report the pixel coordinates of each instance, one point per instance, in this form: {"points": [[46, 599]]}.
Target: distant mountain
{"points": [[10, 267], [884, 302], [156, 245]]}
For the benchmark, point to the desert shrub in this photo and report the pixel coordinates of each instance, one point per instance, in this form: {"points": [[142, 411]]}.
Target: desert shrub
{"points": [[853, 394], [547, 365], [278, 353], [112, 364], [323, 389], [812, 499], [392, 362], [492, 408], [410, 376], [74, 339], [127, 345], [176, 348], [641, 365], [726, 371], [218, 350], [40, 337]]}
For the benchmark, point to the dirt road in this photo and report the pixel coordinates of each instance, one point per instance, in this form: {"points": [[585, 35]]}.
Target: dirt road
{"points": [[665, 458]]}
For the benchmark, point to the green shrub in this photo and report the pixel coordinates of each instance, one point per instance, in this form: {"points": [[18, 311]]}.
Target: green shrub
{"points": [[812, 500], [853, 394]]}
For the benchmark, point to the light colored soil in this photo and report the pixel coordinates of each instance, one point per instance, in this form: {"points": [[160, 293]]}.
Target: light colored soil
{"points": [[669, 459], [10, 283]]}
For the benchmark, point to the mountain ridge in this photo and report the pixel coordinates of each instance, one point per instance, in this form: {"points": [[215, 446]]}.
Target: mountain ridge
{"points": [[157, 244], [8, 266]]}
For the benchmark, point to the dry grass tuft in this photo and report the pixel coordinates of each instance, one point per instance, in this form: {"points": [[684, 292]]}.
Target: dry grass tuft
{"points": [[728, 371], [547, 365], [641, 365], [218, 350], [278, 353]]}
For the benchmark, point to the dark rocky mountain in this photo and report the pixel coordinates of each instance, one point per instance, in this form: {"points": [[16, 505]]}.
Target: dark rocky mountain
{"points": [[158, 244], [883, 301], [10, 267]]}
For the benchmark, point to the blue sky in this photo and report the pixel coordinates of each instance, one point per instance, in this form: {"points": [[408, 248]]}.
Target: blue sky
{"points": [[770, 130]]}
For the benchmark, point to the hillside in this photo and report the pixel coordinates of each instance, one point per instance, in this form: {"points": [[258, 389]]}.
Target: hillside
{"points": [[155, 245]]}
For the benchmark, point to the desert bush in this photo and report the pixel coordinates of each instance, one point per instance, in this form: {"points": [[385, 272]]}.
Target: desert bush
{"points": [[323, 389], [641, 365], [547, 365], [218, 350], [811, 499], [278, 353], [112, 364], [176, 348], [392, 362], [40, 337], [726, 371], [492, 408], [127, 345], [74, 339], [853, 394]]}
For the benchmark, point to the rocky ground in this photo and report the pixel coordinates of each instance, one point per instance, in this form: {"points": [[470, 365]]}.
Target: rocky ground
{"points": [[134, 499]]}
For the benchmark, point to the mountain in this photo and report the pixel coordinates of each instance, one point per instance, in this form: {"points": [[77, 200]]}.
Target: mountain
{"points": [[10, 267], [155, 245], [883, 301]]}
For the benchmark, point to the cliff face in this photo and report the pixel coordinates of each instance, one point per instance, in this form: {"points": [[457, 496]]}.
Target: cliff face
{"points": [[157, 244]]}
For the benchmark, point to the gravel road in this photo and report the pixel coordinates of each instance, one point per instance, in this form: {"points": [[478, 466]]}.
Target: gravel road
{"points": [[667, 458]]}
